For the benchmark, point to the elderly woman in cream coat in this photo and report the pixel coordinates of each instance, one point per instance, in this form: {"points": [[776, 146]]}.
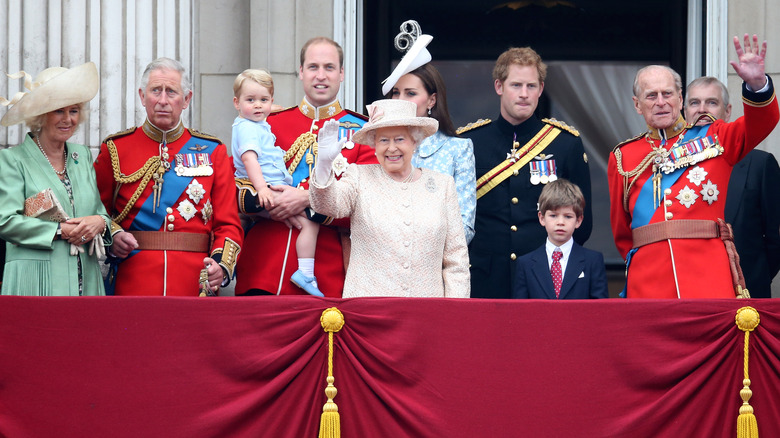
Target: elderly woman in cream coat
{"points": [[406, 230], [52, 254]]}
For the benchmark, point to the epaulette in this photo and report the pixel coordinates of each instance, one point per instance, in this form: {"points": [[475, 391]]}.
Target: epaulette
{"points": [[120, 134], [358, 115], [472, 125], [202, 135], [629, 140], [281, 110], [562, 125]]}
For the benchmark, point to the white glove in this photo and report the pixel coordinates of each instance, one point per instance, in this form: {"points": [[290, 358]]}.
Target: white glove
{"points": [[328, 148]]}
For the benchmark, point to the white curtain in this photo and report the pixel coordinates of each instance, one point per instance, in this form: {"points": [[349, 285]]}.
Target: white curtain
{"points": [[595, 98]]}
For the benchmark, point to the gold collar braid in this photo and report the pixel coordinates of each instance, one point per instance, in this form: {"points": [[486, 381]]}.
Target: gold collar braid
{"points": [[159, 135], [319, 113]]}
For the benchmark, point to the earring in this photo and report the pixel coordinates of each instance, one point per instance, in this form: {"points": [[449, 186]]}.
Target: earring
{"points": [[429, 111]]}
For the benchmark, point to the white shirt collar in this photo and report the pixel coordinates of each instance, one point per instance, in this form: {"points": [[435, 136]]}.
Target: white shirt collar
{"points": [[565, 248]]}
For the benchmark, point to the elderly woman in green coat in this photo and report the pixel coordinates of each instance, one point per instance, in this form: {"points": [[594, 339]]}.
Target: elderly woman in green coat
{"points": [[50, 211]]}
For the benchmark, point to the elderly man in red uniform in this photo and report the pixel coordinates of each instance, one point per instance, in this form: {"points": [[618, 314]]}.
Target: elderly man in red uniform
{"points": [[273, 258], [171, 193], [668, 185]]}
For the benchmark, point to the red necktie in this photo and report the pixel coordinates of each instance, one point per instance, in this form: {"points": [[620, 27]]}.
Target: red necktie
{"points": [[557, 275]]}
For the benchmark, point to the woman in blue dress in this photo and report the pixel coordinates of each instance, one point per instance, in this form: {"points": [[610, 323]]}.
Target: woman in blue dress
{"points": [[416, 80]]}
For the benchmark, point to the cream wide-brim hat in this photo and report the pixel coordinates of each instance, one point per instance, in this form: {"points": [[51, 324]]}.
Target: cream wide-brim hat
{"points": [[417, 56], [54, 88], [387, 113]]}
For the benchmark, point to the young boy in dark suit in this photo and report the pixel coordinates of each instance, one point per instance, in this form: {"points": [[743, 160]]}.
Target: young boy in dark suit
{"points": [[561, 269]]}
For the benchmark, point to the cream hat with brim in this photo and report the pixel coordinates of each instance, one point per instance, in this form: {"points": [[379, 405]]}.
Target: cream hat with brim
{"points": [[416, 57], [387, 113], [53, 88]]}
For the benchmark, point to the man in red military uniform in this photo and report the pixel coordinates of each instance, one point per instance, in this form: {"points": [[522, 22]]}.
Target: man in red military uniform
{"points": [[273, 259], [668, 185], [171, 193]]}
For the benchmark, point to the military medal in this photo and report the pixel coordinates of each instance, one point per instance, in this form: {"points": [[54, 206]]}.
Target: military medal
{"points": [[687, 196], [535, 173], [207, 212], [198, 164], [690, 153], [195, 191], [709, 192], [552, 170], [186, 209]]}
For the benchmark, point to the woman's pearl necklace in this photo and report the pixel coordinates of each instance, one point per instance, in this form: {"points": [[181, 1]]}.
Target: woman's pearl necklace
{"points": [[64, 155]]}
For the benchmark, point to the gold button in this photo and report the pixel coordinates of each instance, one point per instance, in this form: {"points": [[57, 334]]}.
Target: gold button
{"points": [[668, 202], [171, 218], [170, 227], [669, 215], [668, 192], [513, 256], [169, 210], [303, 180], [515, 173], [513, 228], [515, 201]]}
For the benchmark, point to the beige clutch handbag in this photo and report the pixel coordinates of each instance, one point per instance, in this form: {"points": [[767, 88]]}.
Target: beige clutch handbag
{"points": [[44, 205]]}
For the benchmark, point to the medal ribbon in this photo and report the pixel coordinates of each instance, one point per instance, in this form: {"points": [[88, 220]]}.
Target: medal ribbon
{"points": [[641, 214], [498, 174]]}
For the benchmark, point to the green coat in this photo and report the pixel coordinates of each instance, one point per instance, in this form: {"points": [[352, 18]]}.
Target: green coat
{"points": [[35, 263]]}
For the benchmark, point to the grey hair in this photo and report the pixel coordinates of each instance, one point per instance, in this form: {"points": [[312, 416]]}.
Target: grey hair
{"points": [[166, 64], [417, 133], [675, 75], [710, 80]]}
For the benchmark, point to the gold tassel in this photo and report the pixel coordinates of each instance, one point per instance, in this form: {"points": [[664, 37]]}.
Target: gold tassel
{"points": [[332, 320], [747, 320]]}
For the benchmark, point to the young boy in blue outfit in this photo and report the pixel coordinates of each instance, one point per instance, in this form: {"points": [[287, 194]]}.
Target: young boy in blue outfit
{"points": [[561, 269], [257, 158]]}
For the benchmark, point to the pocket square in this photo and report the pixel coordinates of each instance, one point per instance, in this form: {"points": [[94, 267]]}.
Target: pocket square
{"points": [[582, 274]]}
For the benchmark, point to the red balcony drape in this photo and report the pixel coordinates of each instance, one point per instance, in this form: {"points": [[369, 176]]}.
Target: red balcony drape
{"points": [[256, 366]]}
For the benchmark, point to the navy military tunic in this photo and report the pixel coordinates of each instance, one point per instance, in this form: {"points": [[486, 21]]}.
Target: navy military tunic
{"points": [[507, 225]]}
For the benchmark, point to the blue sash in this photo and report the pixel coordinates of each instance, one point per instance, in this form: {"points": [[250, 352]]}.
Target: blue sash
{"points": [[641, 214], [172, 188]]}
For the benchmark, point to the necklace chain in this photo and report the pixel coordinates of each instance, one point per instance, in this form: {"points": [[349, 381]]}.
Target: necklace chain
{"points": [[64, 155]]}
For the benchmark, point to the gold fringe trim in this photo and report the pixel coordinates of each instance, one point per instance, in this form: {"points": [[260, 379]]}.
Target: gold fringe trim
{"points": [[747, 320], [302, 143], [152, 168], [332, 320]]}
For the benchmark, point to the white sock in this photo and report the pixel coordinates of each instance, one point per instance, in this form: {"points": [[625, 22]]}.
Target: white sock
{"points": [[306, 266]]}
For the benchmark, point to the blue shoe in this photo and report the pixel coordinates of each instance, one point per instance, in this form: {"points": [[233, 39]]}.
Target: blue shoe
{"points": [[305, 282]]}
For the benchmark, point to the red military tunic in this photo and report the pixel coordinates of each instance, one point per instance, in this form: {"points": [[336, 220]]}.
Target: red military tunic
{"points": [[203, 202], [273, 258], [698, 268]]}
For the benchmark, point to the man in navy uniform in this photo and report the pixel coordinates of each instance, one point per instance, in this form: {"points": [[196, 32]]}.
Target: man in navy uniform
{"points": [[515, 156]]}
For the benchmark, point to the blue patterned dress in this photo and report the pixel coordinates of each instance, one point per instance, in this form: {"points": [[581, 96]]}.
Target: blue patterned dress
{"points": [[455, 157]]}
